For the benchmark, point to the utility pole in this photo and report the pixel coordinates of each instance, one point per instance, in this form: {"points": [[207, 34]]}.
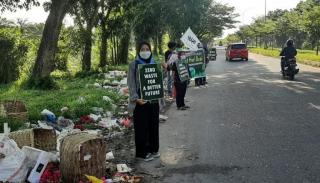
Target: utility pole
{"points": [[265, 21], [265, 11], [318, 27]]}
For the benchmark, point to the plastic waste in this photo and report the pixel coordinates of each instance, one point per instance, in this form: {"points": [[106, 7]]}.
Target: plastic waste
{"points": [[13, 166], [38, 170], [49, 115], [94, 179]]}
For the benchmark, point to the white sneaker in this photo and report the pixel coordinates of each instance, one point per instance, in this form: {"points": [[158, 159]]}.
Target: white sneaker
{"points": [[148, 157], [155, 155]]}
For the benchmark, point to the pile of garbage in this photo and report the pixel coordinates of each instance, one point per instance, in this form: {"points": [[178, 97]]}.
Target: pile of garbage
{"points": [[79, 156], [97, 147]]}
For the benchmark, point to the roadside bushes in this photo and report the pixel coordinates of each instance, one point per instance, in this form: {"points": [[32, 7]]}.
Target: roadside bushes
{"points": [[13, 53]]}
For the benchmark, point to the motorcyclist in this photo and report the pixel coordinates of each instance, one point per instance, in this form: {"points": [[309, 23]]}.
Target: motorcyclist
{"points": [[287, 52]]}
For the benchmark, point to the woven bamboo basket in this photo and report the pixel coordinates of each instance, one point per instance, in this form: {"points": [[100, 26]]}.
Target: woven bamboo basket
{"points": [[23, 137], [42, 139], [82, 154], [15, 109], [45, 139]]}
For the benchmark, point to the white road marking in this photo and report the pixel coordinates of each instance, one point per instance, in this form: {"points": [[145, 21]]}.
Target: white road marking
{"points": [[314, 106]]}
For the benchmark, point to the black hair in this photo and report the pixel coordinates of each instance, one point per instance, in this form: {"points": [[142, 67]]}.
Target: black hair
{"points": [[139, 48], [172, 45], [179, 45], [143, 43]]}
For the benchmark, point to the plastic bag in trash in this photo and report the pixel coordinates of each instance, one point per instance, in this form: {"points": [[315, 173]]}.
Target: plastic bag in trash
{"points": [[49, 115], [13, 166]]}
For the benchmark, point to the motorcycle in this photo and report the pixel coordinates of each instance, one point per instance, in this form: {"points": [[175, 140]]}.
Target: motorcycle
{"points": [[290, 68]]}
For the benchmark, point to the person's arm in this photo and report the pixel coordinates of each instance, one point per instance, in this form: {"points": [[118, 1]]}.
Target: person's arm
{"points": [[282, 52], [131, 81], [132, 84], [174, 66], [295, 52], [166, 56]]}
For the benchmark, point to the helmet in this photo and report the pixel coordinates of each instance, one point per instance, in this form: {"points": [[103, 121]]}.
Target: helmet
{"points": [[289, 42]]}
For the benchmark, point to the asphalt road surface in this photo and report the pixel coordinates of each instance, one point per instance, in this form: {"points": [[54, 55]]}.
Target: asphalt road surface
{"points": [[248, 125]]}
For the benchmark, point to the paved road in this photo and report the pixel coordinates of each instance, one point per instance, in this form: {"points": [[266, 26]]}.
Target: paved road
{"points": [[248, 125]]}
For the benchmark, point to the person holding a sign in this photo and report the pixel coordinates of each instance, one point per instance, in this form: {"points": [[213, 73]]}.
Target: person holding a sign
{"points": [[179, 84], [167, 55], [145, 112]]}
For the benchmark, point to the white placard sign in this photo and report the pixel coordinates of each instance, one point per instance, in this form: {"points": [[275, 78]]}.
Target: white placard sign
{"points": [[190, 40]]}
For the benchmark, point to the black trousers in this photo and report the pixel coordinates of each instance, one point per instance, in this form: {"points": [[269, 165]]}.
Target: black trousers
{"points": [[282, 63], [200, 81], [181, 89], [146, 129]]}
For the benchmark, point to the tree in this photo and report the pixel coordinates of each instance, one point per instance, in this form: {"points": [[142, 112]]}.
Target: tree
{"points": [[44, 64], [13, 51], [103, 17], [232, 38], [214, 20], [313, 25], [12, 5], [86, 17]]}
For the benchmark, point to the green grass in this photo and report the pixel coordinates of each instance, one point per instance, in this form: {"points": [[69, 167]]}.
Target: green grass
{"points": [[70, 89], [304, 56]]}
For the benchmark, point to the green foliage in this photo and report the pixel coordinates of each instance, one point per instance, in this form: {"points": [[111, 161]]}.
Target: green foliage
{"points": [[44, 83], [303, 56], [13, 124], [232, 38], [206, 18], [68, 94], [13, 5], [302, 24], [13, 51]]}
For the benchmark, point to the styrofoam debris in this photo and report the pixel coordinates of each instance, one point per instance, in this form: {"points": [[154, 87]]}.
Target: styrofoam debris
{"points": [[108, 123], [95, 117], [162, 117], [44, 125], [123, 168], [94, 132], [97, 85], [109, 156]]}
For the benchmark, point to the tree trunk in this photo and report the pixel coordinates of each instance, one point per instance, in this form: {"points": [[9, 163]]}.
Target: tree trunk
{"points": [[44, 64], [86, 57], [112, 49], [155, 47], [103, 48], [124, 48], [260, 40], [160, 44], [117, 50]]}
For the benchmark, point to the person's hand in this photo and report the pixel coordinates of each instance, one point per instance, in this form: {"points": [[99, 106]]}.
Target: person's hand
{"points": [[164, 65], [141, 102]]}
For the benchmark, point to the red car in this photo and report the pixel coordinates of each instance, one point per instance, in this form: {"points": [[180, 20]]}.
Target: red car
{"points": [[237, 50]]}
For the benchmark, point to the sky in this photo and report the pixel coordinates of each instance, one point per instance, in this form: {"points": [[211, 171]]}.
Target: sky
{"points": [[247, 10]]}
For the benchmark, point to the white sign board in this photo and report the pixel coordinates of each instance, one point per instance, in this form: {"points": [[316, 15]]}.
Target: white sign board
{"points": [[190, 40]]}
